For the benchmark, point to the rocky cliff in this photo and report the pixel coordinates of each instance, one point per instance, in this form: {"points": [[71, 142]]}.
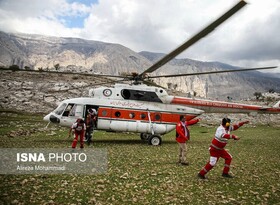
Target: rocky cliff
{"points": [[41, 92]]}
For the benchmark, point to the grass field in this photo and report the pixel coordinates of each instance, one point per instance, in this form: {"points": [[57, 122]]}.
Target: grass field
{"points": [[142, 174]]}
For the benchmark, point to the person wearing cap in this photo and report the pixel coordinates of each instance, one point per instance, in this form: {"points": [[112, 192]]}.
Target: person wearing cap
{"points": [[217, 146], [182, 136], [78, 128]]}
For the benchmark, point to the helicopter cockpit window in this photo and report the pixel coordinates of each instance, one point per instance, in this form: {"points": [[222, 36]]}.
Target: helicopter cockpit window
{"points": [[68, 111], [140, 95], [59, 110], [73, 111]]}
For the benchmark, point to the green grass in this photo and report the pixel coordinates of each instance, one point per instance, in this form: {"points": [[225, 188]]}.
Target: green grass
{"points": [[142, 174]]}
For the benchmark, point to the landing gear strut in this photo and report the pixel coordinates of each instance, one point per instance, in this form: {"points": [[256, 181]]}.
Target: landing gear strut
{"points": [[144, 136]]}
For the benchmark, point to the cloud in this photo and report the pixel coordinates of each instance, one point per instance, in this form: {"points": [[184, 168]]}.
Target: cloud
{"points": [[249, 39], [40, 17]]}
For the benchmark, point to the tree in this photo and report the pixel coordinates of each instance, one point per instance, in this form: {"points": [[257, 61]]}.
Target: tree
{"points": [[27, 68], [258, 95], [57, 66], [169, 85], [14, 67], [229, 98]]}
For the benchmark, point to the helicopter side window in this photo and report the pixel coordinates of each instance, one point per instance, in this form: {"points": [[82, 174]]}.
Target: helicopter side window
{"points": [[157, 117], [125, 94], [104, 113], [117, 114], [59, 110], [132, 115], [143, 116], [139, 94], [149, 96]]}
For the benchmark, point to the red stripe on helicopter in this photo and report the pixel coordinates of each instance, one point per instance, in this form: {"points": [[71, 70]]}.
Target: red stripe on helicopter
{"points": [[216, 104], [141, 115]]}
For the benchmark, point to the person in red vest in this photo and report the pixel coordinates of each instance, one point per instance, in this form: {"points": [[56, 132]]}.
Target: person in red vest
{"points": [[217, 146], [78, 128], [182, 136]]}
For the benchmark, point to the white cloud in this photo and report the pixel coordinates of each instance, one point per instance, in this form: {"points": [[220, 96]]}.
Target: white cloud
{"points": [[250, 38], [39, 17]]}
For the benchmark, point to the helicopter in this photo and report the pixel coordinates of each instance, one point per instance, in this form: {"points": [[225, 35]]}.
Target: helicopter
{"points": [[150, 110]]}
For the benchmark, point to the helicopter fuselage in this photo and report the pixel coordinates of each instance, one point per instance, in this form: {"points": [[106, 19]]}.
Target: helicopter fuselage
{"points": [[143, 109], [123, 115]]}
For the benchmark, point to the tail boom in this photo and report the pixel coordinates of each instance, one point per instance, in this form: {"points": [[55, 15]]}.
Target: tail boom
{"points": [[210, 106]]}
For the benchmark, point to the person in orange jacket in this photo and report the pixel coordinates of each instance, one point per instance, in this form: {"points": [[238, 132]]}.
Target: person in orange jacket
{"points": [[182, 136]]}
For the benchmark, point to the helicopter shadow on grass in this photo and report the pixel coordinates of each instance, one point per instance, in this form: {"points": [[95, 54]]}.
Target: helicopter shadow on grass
{"points": [[127, 141], [101, 141]]}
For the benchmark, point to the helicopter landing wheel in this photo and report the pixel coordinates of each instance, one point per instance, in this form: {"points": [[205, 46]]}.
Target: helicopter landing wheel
{"points": [[144, 136], [154, 140]]}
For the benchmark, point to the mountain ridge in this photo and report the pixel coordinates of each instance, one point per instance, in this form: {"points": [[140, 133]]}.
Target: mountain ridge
{"points": [[80, 55]]}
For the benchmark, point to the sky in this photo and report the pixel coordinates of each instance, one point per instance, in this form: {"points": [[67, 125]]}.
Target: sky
{"points": [[249, 39]]}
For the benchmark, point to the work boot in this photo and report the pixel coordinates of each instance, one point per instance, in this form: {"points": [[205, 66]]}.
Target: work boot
{"points": [[227, 175], [185, 163], [89, 140], [201, 176]]}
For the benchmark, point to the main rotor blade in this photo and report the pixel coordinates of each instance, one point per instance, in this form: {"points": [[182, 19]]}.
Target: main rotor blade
{"points": [[63, 72], [194, 39], [105, 83], [212, 72]]}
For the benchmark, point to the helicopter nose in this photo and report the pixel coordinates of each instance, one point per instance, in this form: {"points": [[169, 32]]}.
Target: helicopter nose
{"points": [[54, 119], [47, 118], [51, 118]]}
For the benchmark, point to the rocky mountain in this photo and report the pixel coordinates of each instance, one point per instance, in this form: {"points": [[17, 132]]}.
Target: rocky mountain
{"points": [[41, 92], [235, 85], [73, 54]]}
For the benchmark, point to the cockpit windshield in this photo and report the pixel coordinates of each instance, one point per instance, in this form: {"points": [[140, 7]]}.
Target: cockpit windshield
{"points": [[70, 110], [59, 110]]}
